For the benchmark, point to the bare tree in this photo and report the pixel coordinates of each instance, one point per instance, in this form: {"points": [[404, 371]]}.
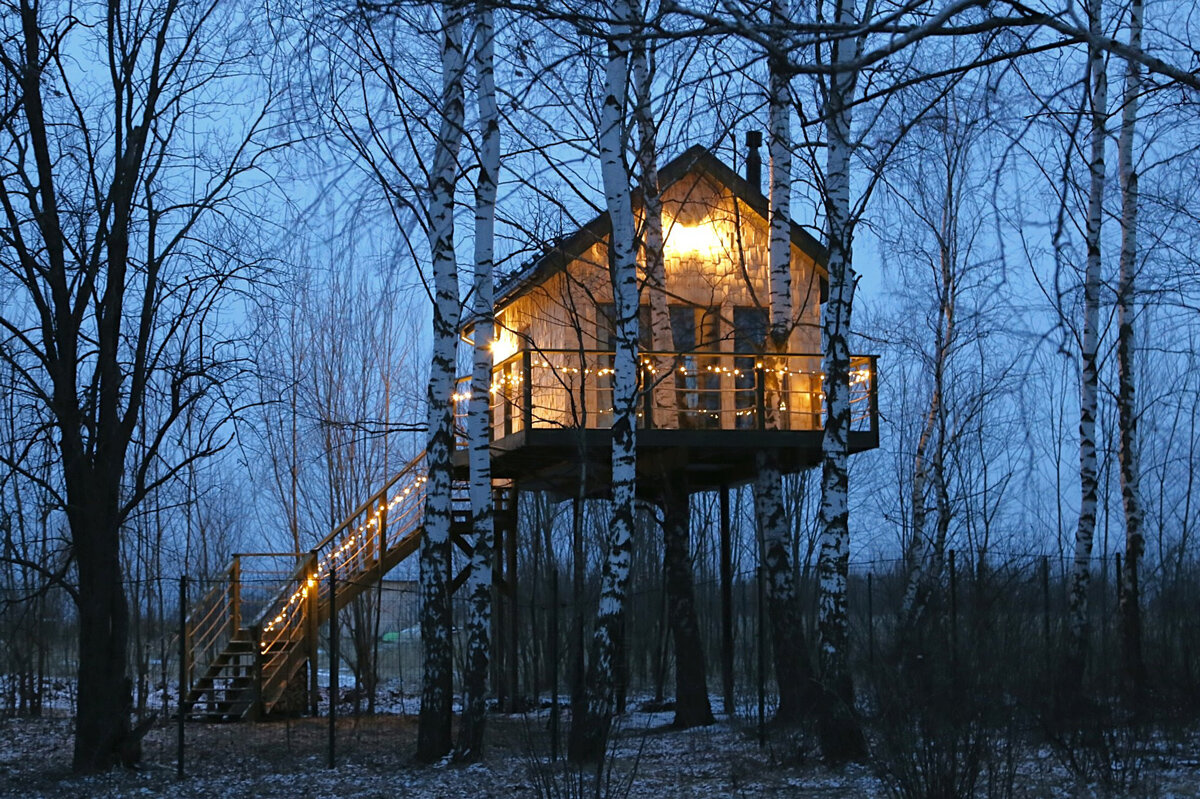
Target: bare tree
{"points": [[107, 243]]}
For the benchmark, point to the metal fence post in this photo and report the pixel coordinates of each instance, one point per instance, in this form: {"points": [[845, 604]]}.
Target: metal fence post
{"points": [[1046, 611], [183, 682], [333, 663], [871, 617]]}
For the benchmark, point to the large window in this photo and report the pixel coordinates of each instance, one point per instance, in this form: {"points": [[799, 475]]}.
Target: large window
{"points": [[749, 338], [697, 375]]}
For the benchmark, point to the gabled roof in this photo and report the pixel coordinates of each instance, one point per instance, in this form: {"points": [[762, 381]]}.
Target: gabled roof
{"points": [[696, 159]]}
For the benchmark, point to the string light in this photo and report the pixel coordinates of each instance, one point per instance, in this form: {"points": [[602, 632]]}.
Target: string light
{"points": [[859, 380]]}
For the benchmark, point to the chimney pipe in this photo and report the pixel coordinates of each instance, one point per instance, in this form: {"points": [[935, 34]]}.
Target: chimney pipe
{"points": [[753, 159]]}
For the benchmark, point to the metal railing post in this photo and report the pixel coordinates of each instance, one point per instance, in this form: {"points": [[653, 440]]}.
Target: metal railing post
{"points": [[184, 685], [874, 394], [760, 391]]}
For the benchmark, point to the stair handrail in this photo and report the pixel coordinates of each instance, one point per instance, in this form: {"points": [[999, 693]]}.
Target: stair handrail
{"points": [[300, 571], [282, 618]]}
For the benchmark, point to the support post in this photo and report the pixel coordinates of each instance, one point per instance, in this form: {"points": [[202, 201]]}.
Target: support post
{"points": [[312, 622], [726, 605], [256, 670], [553, 661], [762, 660], [513, 626], [577, 580]]}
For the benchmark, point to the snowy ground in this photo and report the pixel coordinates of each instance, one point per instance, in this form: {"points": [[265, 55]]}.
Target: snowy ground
{"points": [[288, 759]]}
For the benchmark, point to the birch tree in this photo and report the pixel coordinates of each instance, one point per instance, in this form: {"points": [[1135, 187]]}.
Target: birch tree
{"points": [[793, 674], [1097, 82], [479, 583], [661, 338], [841, 739], [590, 729], [938, 230], [1131, 621], [691, 690], [437, 688]]}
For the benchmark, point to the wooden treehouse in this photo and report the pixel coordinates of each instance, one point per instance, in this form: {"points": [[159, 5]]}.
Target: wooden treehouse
{"points": [[710, 399]]}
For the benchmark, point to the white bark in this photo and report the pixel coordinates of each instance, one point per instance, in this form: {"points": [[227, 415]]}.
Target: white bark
{"points": [[842, 738], [433, 736], [790, 657], [1126, 402], [1089, 345], [479, 583], [589, 732], [661, 339], [779, 143]]}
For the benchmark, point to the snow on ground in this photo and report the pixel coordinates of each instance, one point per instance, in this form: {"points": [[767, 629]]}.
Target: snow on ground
{"points": [[649, 760]]}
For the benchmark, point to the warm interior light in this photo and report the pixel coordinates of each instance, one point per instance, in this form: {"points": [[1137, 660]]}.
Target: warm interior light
{"points": [[504, 345], [693, 241]]}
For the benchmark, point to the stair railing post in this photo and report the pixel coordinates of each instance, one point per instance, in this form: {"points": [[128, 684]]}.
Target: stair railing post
{"points": [[256, 701], [235, 593], [312, 622], [383, 514]]}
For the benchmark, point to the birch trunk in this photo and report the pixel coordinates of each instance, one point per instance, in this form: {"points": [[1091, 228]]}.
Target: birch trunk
{"points": [[433, 731], [927, 556], [1089, 379], [1131, 619], [662, 375], [793, 672], [589, 731], [841, 737], [479, 583]]}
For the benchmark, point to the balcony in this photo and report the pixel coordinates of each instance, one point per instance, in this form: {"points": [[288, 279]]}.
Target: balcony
{"points": [[707, 412]]}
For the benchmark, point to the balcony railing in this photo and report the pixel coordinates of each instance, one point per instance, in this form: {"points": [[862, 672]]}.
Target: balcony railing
{"points": [[561, 389]]}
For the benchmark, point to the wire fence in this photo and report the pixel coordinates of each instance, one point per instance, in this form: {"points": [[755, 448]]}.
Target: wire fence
{"points": [[380, 658]]}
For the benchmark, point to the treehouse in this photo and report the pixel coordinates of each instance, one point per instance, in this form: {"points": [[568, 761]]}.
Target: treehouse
{"points": [[710, 396]]}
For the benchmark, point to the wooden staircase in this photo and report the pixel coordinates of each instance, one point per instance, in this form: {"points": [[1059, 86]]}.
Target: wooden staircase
{"points": [[248, 668]]}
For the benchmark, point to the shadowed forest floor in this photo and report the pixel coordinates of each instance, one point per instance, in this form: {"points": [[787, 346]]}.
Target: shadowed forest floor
{"points": [[650, 759]]}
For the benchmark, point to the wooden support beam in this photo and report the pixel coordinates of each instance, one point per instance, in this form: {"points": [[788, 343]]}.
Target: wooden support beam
{"points": [[726, 605], [513, 617]]}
